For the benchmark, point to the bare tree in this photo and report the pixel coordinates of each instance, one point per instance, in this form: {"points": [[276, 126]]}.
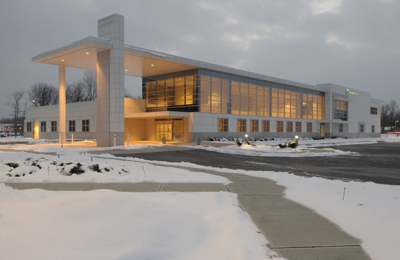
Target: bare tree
{"points": [[75, 92], [43, 94], [89, 83], [385, 115], [15, 103], [392, 110]]}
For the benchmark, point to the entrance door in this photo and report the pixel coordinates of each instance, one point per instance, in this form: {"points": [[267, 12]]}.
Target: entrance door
{"points": [[322, 131], [163, 129], [171, 129]]}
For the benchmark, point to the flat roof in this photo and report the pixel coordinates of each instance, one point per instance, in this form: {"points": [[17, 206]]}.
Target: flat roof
{"points": [[141, 62]]}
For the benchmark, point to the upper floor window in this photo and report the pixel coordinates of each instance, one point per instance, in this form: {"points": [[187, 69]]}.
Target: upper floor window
{"points": [[373, 111]]}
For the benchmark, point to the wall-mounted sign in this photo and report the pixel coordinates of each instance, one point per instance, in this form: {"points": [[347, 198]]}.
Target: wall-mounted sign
{"points": [[348, 92]]}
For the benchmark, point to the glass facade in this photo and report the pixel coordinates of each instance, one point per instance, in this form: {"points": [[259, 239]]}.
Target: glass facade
{"points": [[213, 92]]}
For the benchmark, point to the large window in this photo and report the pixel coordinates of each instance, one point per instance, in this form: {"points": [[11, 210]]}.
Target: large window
{"points": [[29, 127], [213, 92], [309, 127], [175, 91], [340, 110], [373, 111], [279, 126], [254, 126], [54, 126], [298, 127], [266, 126], [223, 124], [289, 127], [85, 125], [71, 125], [43, 126], [241, 125]]}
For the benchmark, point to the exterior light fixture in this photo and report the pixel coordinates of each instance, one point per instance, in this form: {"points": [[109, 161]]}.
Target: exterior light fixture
{"points": [[62, 59], [296, 137], [246, 135], [395, 126], [152, 65], [87, 52], [126, 70]]}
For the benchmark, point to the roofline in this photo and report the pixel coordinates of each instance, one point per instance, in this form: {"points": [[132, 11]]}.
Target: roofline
{"points": [[83, 43], [218, 68]]}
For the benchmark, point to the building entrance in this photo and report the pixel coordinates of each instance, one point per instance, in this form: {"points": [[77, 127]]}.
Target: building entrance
{"points": [[171, 129], [322, 131]]}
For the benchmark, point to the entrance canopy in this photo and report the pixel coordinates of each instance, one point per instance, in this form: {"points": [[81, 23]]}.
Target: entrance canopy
{"points": [[138, 62]]}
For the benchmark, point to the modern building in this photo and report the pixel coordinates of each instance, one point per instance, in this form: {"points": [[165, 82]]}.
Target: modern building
{"points": [[186, 99]]}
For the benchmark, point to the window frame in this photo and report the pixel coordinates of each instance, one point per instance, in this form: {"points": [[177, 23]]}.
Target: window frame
{"points": [[279, 126], [223, 124], [241, 125], [43, 126], [298, 127], [254, 126], [71, 126], [266, 126], [289, 126], [309, 127], [85, 125], [53, 126]]}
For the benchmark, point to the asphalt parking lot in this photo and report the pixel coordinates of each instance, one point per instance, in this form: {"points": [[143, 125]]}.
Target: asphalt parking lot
{"points": [[379, 163]]}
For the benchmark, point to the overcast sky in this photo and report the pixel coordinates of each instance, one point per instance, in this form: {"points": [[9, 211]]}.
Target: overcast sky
{"points": [[353, 43]]}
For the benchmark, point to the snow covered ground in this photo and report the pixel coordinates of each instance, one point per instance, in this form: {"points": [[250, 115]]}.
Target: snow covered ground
{"points": [[194, 225]]}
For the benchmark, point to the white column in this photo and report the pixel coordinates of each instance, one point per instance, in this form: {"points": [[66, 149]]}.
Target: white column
{"points": [[110, 83], [62, 104]]}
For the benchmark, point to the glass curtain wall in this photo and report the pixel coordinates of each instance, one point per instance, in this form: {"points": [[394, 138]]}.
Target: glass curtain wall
{"points": [[175, 91], [219, 93], [257, 98]]}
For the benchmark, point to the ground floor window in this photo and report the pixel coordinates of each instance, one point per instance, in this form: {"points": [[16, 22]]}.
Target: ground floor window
{"points": [[71, 125], [241, 125], [29, 127], [266, 126], [85, 125], [279, 126], [361, 128], [54, 126], [372, 129], [309, 127], [253, 125], [298, 127], [43, 126], [289, 127], [340, 128], [223, 124]]}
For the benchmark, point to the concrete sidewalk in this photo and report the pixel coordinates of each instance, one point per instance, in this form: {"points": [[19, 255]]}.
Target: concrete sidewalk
{"points": [[293, 231]]}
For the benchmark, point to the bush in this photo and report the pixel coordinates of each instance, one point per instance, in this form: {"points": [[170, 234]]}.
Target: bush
{"points": [[12, 165], [77, 169]]}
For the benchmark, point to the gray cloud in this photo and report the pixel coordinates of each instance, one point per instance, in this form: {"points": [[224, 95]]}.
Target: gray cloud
{"points": [[352, 43]]}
